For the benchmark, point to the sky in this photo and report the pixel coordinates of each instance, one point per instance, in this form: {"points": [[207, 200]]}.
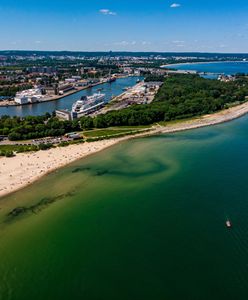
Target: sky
{"points": [[125, 25]]}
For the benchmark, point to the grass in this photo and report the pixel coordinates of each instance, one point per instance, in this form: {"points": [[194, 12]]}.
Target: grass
{"points": [[9, 150], [104, 132], [113, 131], [17, 148], [119, 135], [173, 122]]}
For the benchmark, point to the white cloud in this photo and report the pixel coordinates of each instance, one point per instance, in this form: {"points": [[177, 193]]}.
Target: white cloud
{"points": [[122, 43], [105, 11], [175, 5], [145, 43], [126, 43], [178, 42]]}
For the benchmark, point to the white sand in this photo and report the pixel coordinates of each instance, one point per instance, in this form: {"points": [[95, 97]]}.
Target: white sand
{"points": [[25, 168]]}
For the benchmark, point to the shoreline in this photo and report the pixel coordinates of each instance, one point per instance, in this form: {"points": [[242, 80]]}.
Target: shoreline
{"points": [[26, 168], [203, 62]]}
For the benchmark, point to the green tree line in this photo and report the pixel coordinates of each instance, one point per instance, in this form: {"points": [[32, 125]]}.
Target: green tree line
{"points": [[33, 127]]}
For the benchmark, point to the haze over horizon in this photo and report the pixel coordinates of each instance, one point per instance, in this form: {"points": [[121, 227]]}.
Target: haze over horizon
{"points": [[157, 26]]}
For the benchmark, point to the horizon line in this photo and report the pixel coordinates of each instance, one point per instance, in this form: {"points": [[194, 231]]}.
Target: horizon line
{"points": [[123, 51]]}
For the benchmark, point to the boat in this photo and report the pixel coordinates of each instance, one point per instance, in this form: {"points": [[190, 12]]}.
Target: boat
{"points": [[228, 223], [126, 88], [87, 105], [111, 79]]}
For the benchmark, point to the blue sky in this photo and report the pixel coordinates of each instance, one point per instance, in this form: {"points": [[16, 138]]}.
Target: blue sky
{"points": [[130, 25]]}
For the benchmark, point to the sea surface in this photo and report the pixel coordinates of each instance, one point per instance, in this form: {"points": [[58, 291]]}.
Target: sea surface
{"points": [[144, 219], [228, 68], [109, 89]]}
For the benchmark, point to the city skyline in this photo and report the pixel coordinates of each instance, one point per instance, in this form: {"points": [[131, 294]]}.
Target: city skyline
{"points": [[160, 26]]}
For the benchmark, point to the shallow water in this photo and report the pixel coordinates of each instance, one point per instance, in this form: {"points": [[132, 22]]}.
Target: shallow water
{"points": [[144, 219]]}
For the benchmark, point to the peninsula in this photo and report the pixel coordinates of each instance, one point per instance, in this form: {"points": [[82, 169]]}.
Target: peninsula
{"points": [[25, 168]]}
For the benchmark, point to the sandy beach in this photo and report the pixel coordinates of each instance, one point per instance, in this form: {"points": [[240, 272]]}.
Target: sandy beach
{"points": [[25, 168]]}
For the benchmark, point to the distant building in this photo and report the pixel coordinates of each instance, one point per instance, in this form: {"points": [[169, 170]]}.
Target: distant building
{"points": [[82, 83], [21, 99], [63, 114], [28, 96], [65, 88], [70, 80], [42, 70], [34, 99], [76, 77], [226, 78], [153, 84]]}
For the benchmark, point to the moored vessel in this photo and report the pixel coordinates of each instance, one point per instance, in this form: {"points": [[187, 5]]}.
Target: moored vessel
{"points": [[111, 79], [87, 105]]}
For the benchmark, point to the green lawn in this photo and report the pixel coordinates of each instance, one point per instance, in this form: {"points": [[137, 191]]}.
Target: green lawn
{"points": [[9, 150], [113, 131], [18, 148], [173, 122]]}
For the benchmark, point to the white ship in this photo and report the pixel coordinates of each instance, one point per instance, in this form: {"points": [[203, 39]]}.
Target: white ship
{"points": [[87, 105]]}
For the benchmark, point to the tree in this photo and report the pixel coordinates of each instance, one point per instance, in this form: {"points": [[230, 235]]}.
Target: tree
{"points": [[14, 136], [86, 123]]}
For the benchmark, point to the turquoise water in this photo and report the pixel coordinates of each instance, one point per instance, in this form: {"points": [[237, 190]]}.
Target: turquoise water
{"points": [[110, 90], [144, 219], [228, 68]]}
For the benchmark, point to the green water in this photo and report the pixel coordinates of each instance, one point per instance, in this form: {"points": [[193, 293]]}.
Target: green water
{"points": [[142, 220]]}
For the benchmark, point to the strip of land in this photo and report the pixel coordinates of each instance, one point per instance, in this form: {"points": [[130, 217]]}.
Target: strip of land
{"points": [[202, 62], [25, 168]]}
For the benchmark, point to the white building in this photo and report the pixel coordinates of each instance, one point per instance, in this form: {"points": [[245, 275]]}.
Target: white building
{"points": [[70, 80], [63, 114], [28, 96], [21, 99]]}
